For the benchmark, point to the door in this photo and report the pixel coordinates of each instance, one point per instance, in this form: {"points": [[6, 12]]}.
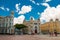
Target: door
{"points": [[35, 29]]}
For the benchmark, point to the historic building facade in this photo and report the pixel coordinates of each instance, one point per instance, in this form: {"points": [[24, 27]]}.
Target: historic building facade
{"points": [[6, 23], [33, 26], [51, 26]]}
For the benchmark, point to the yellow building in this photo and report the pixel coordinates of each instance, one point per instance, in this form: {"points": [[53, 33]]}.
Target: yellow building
{"points": [[44, 27], [51, 26]]}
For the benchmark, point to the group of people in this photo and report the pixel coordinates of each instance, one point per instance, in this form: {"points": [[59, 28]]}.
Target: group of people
{"points": [[53, 33]]}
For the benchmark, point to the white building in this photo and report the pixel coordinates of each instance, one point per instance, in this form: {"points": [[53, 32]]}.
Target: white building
{"points": [[6, 23]]}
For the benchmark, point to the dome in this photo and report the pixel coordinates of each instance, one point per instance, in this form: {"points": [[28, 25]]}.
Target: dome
{"points": [[51, 19], [57, 19]]}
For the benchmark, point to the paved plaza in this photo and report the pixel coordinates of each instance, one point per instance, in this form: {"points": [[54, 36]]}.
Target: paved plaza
{"points": [[28, 37]]}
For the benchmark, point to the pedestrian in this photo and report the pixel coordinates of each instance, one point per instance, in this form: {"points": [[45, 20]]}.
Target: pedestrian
{"points": [[51, 33], [55, 32]]}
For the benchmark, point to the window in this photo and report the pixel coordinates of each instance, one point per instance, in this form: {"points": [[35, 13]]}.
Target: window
{"points": [[31, 23], [39, 23], [35, 23], [6, 24], [0, 19], [3, 24], [10, 19], [7, 19], [2, 30], [0, 25], [35, 27], [10, 24]]}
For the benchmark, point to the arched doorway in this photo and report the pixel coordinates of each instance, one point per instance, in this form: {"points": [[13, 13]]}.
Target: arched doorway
{"points": [[35, 29]]}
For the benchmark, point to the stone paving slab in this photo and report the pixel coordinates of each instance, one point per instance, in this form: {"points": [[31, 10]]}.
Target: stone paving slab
{"points": [[28, 37]]}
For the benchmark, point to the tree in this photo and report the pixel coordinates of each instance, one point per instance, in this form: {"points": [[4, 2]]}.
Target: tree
{"points": [[21, 27]]}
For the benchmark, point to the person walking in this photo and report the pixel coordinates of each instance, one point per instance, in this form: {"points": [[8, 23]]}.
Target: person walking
{"points": [[51, 32], [55, 32]]}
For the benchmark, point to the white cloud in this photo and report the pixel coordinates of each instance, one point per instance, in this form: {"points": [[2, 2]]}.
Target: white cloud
{"points": [[2, 8], [19, 20], [7, 9], [38, 13], [25, 9], [50, 13], [45, 4], [17, 7], [34, 2], [37, 4], [47, 0]]}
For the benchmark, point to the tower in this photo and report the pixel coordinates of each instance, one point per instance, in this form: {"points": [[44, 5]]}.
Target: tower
{"points": [[12, 17], [51, 20], [38, 20], [57, 20], [11, 22], [31, 18], [12, 14]]}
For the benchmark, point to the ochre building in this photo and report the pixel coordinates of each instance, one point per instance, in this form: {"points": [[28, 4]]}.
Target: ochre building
{"points": [[50, 26]]}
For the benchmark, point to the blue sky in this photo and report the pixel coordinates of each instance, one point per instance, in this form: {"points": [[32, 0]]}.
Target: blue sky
{"points": [[36, 7]]}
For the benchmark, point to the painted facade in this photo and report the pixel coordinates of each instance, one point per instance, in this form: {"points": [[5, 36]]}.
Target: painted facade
{"points": [[51, 26], [6, 23], [33, 26]]}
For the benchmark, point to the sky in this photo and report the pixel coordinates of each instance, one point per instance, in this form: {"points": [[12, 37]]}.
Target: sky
{"points": [[24, 9]]}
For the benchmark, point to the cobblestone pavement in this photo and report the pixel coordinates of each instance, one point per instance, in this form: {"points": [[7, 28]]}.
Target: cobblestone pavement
{"points": [[28, 37]]}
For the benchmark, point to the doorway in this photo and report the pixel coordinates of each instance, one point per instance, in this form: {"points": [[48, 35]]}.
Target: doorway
{"points": [[35, 29]]}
